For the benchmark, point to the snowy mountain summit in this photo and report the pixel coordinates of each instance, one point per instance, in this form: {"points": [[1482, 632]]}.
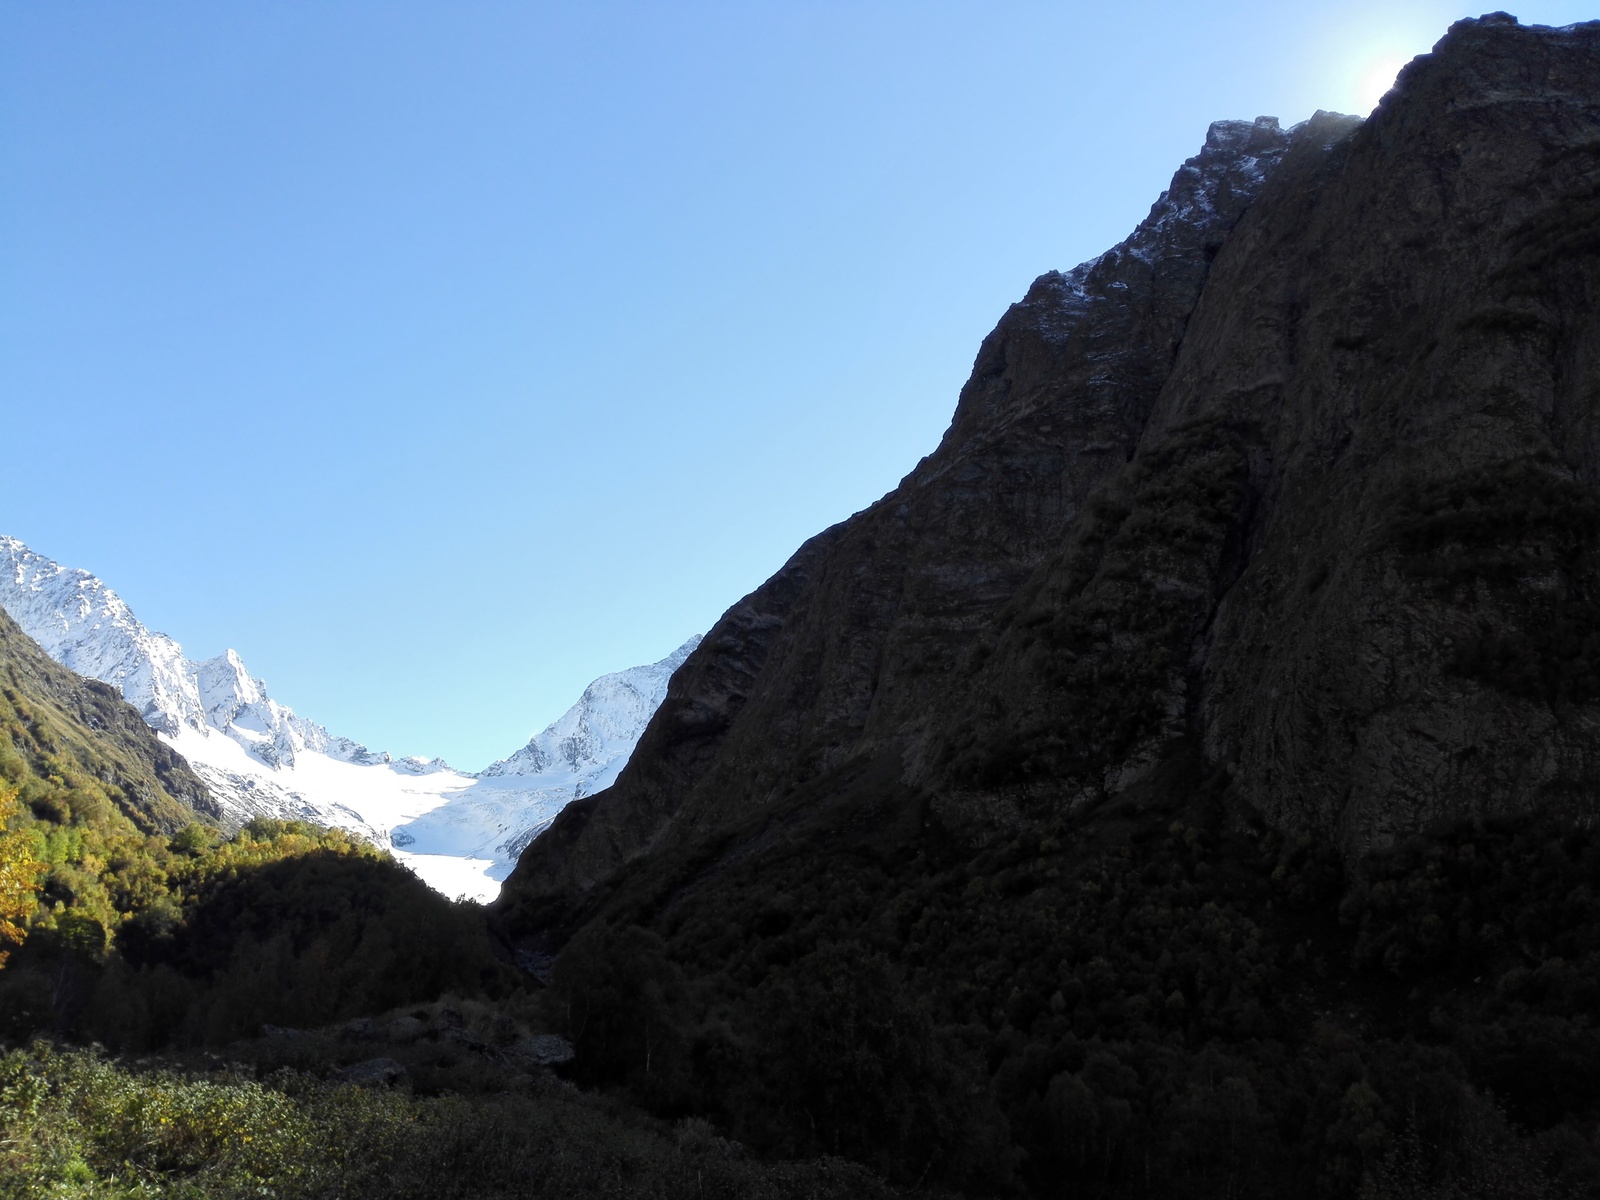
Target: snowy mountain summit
{"points": [[461, 833], [601, 727], [578, 754], [84, 625]]}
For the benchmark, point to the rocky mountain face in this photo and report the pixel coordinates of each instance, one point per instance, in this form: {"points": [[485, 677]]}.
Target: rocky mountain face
{"points": [[49, 711], [84, 625], [1295, 489]]}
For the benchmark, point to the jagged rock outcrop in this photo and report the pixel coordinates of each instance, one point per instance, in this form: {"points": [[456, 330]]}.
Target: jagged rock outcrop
{"points": [[1390, 387], [1298, 483], [792, 680]]}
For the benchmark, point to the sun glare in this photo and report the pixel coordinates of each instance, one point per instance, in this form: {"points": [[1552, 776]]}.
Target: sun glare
{"points": [[1376, 78]]}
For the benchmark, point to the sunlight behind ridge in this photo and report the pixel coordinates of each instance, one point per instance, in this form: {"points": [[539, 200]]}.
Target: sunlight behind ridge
{"points": [[1376, 78]]}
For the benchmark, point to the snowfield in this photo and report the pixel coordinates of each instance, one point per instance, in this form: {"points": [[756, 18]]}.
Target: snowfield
{"points": [[460, 833]]}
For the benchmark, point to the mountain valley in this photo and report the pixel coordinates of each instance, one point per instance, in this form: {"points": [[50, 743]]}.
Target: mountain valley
{"points": [[1184, 784], [460, 832]]}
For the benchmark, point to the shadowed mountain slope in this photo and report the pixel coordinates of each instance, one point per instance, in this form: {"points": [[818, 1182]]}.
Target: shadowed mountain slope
{"points": [[1300, 479]]}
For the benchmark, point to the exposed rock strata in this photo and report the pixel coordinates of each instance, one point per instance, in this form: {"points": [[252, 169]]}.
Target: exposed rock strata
{"points": [[1303, 475]]}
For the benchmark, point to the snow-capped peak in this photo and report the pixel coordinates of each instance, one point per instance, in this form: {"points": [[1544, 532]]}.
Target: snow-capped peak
{"points": [[460, 833], [604, 724], [83, 624]]}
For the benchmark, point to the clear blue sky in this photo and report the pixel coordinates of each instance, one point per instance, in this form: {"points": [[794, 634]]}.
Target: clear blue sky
{"points": [[440, 357]]}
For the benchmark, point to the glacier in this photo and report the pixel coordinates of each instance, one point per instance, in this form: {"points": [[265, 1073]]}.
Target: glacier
{"points": [[460, 832]]}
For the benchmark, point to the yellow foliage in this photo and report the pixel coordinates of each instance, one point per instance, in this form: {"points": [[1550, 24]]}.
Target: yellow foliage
{"points": [[19, 877]]}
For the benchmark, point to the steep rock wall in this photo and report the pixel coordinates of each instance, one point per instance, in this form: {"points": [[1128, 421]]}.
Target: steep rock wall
{"points": [[1297, 483], [848, 647]]}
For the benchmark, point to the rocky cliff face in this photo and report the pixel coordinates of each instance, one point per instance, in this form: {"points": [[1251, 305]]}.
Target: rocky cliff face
{"points": [[1297, 484], [1411, 334], [84, 625]]}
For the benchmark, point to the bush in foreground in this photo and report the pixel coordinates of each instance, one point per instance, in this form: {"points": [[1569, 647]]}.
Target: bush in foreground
{"points": [[74, 1124]]}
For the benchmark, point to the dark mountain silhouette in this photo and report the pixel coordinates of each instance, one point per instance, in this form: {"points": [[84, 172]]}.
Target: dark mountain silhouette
{"points": [[1193, 716], [1300, 479]]}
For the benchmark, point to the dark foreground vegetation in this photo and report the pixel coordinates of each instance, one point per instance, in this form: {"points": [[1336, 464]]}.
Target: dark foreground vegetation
{"points": [[1159, 998], [1153, 1001], [177, 1007], [73, 1124]]}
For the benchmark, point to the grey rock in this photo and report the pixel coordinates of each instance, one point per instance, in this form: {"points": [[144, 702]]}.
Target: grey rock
{"points": [[536, 963], [849, 650], [471, 1041]]}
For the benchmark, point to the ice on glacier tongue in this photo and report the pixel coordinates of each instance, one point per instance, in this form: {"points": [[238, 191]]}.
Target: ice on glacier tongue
{"points": [[576, 755]]}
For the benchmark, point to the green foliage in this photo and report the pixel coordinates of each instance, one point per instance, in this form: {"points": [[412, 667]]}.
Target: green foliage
{"points": [[1497, 928], [68, 741], [860, 1066], [1498, 520], [75, 1125], [315, 936], [149, 942], [623, 1004], [99, 863], [19, 876]]}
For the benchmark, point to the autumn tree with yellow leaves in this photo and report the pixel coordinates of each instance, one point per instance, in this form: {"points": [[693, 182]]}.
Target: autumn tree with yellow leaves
{"points": [[19, 877]]}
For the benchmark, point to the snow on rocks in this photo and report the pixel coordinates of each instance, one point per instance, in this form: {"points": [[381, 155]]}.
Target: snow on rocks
{"points": [[460, 833], [511, 801]]}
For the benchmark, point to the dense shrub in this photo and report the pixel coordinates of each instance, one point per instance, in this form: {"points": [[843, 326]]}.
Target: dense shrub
{"points": [[75, 1124], [202, 938], [1174, 1005]]}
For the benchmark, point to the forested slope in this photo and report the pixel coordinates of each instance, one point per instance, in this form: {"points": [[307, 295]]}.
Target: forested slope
{"points": [[56, 720]]}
